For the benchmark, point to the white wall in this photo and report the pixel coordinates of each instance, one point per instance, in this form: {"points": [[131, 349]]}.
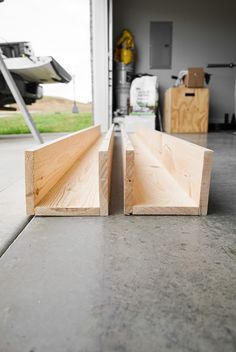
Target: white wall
{"points": [[203, 32], [99, 33]]}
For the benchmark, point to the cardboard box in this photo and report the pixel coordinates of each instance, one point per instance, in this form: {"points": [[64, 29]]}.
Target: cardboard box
{"points": [[195, 78]]}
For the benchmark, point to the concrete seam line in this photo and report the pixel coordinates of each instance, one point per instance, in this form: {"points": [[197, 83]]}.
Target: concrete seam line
{"points": [[15, 236], [11, 184]]}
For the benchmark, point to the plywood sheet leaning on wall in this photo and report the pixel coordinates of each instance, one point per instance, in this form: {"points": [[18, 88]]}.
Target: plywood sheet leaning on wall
{"points": [[164, 174], [71, 175]]}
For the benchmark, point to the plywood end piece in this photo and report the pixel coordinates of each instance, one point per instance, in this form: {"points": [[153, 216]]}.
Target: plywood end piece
{"points": [[105, 168], [128, 172], [206, 181], [29, 182]]}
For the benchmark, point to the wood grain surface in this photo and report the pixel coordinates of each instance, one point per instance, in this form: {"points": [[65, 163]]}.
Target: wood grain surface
{"points": [[128, 172], [186, 110], [62, 177], [171, 176], [105, 168]]}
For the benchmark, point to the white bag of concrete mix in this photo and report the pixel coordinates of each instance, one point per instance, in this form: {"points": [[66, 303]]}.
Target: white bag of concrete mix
{"points": [[144, 95]]}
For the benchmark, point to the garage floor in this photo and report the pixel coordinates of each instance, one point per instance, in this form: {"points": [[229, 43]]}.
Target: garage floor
{"points": [[126, 284], [12, 185]]}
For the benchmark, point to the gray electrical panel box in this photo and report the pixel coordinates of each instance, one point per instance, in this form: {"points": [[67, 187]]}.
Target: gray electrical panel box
{"points": [[161, 45]]}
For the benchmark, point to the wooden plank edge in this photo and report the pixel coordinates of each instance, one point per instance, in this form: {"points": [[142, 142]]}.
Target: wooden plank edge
{"points": [[141, 132], [205, 183], [128, 172], [105, 156], [126, 142], [47, 211], [42, 146], [129, 182], [105, 145], [154, 210], [29, 183]]}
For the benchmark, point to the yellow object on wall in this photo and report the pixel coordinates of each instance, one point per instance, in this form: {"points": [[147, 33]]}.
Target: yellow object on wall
{"points": [[124, 51]]}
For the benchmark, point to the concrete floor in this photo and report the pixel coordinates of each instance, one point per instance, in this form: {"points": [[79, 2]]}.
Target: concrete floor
{"points": [[126, 284], [12, 185]]}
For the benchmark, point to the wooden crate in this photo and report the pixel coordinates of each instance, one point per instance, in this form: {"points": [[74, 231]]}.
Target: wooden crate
{"points": [[186, 110], [70, 175], [164, 175]]}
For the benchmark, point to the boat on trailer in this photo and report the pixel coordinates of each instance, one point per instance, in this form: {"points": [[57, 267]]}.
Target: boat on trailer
{"points": [[29, 72]]}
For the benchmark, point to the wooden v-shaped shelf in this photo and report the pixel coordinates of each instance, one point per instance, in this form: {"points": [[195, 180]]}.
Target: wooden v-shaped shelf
{"points": [[164, 175], [71, 175]]}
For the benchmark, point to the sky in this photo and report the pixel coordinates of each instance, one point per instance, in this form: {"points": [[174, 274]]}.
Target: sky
{"points": [[58, 28]]}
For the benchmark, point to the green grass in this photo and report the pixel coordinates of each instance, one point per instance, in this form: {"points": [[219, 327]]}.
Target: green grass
{"points": [[58, 122]]}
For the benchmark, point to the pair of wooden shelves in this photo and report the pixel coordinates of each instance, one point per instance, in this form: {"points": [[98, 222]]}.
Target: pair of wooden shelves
{"points": [[71, 176]]}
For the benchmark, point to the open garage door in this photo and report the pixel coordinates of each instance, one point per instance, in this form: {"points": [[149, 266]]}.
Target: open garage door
{"points": [[101, 41]]}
